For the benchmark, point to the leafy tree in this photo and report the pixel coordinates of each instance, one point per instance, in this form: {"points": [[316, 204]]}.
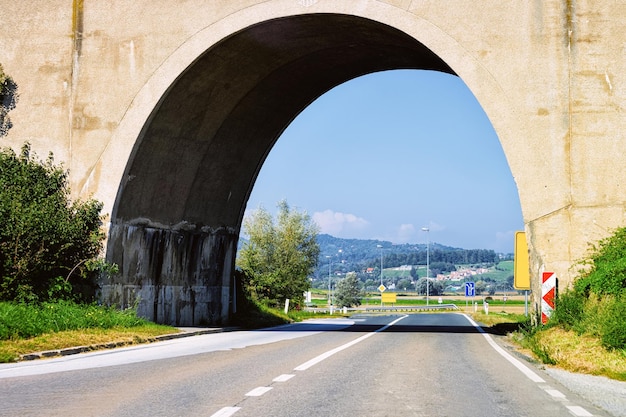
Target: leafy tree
{"points": [[348, 293], [405, 284], [480, 287], [47, 243], [434, 287], [279, 255], [442, 267], [371, 283]]}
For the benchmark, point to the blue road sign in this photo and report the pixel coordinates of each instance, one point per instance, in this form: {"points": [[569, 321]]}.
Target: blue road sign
{"points": [[470, 289]]}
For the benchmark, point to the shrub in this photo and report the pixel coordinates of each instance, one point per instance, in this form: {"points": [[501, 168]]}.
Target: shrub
{"points": [[48, 244], [606, 267], [569, 311], [612, 323], [596, 305]]}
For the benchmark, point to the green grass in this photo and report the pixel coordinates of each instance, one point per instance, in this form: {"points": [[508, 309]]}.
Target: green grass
{"points": [[50, 326], [19, 321]]}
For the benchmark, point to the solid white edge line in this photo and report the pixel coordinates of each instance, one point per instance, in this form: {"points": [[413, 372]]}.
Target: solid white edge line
{"points": [[523, 368], [226, 412], [574, 409], [331, 352]]}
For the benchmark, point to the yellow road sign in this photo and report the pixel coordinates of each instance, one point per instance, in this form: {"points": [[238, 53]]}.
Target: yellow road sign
{"points": [[389, 297], [521, 264]]}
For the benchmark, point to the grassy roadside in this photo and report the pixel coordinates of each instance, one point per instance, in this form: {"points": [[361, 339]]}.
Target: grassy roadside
{"points": [[10, 350], [575, 353], [557, 347], [27, 329], [53, 326]]}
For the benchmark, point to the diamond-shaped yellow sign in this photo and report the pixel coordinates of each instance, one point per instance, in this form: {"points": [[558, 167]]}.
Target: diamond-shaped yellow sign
{"points": [[382, 288]]}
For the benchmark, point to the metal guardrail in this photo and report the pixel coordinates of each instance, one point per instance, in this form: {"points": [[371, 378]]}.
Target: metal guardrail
{"points": [[371, 309], [413, 308]]}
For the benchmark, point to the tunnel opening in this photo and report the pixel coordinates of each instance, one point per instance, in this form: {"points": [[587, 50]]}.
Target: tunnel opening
{"points": [[402, 149], [177, 216]]}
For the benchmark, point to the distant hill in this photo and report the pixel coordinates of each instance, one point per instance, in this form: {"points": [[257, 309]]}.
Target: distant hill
{"points": [[344, 255], [359, 254]]}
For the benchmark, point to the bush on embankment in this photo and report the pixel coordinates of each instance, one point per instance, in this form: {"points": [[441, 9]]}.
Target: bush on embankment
{"points": [[48, 244], [587, 330], [596, 303]]}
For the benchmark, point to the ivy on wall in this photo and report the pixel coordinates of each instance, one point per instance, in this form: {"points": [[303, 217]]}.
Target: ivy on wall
{"points": [[8, 100]]}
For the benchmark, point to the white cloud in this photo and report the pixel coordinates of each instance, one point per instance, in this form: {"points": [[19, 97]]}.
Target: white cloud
{"points": [[405, 233], [336, 223]]}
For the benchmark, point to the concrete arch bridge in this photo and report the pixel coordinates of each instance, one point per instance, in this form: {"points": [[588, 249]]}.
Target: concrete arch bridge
{"points": [[165, 111]]}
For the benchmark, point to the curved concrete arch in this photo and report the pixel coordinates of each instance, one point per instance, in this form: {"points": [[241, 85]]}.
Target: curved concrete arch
{"points": [[193, 166], [142, 106], [207, 193], [230, 110]]}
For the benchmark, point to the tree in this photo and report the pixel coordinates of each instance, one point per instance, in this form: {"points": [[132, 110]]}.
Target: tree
{"points": [[279, 256], [348, 293], [434, 287], [405, 284], [480, 287], [47, 242]]}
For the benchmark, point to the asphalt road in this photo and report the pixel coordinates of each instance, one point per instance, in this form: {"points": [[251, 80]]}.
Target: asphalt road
{"points": [[394, 365]]}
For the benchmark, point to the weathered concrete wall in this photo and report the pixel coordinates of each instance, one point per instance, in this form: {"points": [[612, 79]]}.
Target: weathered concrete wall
{"points": [[140, 99], [177, 276]]}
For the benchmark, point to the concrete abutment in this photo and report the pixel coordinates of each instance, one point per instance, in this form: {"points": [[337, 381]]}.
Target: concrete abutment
{"points": [[179, 276]]}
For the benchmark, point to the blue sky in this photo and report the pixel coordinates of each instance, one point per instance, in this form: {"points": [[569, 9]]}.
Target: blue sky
{"points": [[386, 154]]}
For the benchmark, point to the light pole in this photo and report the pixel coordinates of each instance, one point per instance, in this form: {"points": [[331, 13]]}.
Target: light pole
{"points": [[329, 264], [381, 273], [381, 263], [340, 261], [427, 230]]}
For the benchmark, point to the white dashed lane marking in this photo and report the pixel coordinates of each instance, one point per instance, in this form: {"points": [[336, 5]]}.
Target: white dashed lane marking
{"points": [[555, 393], [226, 412], [579, 411], [283, 378], [258, 391]]}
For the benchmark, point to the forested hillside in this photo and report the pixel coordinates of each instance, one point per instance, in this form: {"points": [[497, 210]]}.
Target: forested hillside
{"points": [[359, 254]]}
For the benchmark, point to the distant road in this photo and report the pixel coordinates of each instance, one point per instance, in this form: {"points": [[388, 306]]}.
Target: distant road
{"points": [[392, 365]]}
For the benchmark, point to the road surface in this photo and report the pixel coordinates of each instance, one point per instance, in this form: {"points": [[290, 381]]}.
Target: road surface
{"points": [[391, 365]]}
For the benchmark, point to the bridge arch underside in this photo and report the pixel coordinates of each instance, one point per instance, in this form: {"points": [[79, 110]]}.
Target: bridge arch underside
{"points": [[175, 223]]}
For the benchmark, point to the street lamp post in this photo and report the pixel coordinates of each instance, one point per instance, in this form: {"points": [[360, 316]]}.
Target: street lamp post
{"points": [[381, 273], [340, 261], [427, 230], [329, 296], [381, 263]]}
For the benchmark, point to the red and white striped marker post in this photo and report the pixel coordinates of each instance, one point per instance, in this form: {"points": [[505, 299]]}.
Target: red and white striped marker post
{"points": [[548, 292]]}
